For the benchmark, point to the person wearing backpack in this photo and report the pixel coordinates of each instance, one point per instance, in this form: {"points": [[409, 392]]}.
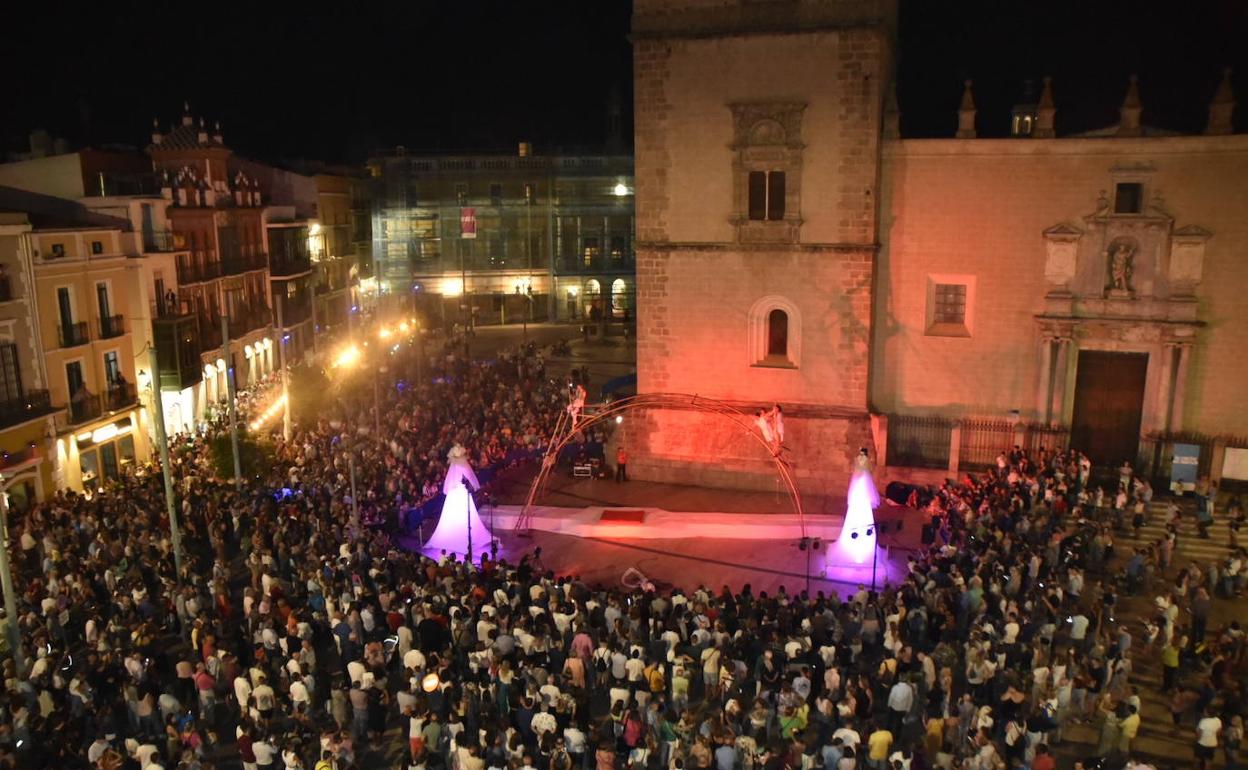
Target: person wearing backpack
{"points": [[633, 730]]}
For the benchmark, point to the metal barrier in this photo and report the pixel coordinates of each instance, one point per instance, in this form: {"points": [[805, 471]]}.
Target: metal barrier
{"points": [[919, 441], [982, 441]]}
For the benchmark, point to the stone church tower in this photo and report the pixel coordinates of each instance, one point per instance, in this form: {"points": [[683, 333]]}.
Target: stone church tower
{"points": [[759, 127]]}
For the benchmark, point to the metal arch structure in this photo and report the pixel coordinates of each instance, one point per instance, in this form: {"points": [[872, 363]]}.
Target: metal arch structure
{"points": [[564, 433]]}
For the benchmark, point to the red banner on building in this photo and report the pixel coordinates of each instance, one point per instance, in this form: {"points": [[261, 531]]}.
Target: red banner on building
{"points": [[468, 223]]}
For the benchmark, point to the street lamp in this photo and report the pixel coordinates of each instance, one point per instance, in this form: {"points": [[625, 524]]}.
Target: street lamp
{"points": [[347, 357]]}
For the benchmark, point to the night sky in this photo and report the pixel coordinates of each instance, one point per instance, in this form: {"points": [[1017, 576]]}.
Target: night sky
{"points": [[290, 82]]}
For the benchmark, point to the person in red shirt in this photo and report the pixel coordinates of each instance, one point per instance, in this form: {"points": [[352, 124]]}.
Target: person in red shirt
{"points": [[621, 464], [1044, 760]]}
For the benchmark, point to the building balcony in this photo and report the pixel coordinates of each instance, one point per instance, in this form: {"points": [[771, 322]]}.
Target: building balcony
{"points": [[255, 318], [73, 335], [163, 241], [190, 271], [119, 395], [177, 350], [112, 326], [236, 264], [84, 406], [34, 403], [209, 334], [595, 264], [296, 312], [289, 266]]}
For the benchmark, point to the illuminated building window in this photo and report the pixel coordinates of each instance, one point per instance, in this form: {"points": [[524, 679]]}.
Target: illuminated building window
{"points": [[619, 245], [590, 249], [774, 333], [950, 302]]}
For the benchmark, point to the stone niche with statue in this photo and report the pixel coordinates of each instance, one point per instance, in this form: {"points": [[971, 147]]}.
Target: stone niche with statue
{"points": [[1124, 266]]}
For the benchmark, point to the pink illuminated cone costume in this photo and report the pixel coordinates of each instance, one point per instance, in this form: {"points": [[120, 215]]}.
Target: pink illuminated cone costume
{"points": [[857, 540], [459, 512]]}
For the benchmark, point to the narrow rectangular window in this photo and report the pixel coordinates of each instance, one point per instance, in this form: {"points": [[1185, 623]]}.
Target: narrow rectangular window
{"points": [[496, 194], [758, 195], [11, 394], [1129, 198], [778, 333], [775, 195]]}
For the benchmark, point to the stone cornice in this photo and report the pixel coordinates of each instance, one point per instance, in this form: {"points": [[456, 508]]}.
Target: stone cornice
{"points": [[1107, 146], [732, 246]]}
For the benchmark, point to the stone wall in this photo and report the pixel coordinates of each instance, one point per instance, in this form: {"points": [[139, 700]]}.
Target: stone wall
{"points": [[699, 289], [978, 208], [689, 447]]}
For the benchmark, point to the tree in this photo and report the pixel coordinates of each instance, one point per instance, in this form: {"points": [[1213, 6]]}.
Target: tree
{"points": [[254, 454]]}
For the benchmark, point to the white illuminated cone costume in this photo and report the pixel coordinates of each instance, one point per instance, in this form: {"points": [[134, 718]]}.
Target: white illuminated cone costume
{"points": [[459, 512], [857, 540]]}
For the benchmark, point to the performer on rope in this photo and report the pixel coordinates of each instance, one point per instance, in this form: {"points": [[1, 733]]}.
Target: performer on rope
{"points": [[763, 421], [577, 403], [460, 530], [777, 429]]}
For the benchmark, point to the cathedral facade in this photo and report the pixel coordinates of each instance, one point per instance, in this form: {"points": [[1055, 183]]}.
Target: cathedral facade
{"points": [[933, 300]]}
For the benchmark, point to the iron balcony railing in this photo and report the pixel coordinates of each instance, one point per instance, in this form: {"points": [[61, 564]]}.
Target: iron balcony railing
{"points": [[84, 406], [234, 264], [74, 334], [163, 240], [289, 265], [112, 326], [118, 396], [190, 271], [32, 404], [209, 334]]}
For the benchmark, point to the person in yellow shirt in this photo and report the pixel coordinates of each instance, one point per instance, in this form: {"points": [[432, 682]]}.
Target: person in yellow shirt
{"points": [[878, 744], [1128, 728], [934, 736]]}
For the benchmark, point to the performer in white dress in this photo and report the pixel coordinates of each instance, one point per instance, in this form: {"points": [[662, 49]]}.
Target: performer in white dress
{"points": [[763, 421], [857, 540], [459, 512], [862, 467]]}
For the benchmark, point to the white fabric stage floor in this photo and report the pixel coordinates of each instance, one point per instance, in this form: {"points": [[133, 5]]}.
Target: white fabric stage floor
{"points": [[660, 524]]}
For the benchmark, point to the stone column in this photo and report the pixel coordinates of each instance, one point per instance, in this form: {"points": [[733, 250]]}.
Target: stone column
{"points": [[1180, 386], [1165, 388], [1046, 376], [1060, 370]]}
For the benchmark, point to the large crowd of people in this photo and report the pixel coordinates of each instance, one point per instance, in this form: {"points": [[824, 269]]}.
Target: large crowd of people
{"points": [[296, 637]]}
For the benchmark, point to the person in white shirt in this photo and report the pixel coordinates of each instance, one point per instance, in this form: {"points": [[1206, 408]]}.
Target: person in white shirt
{"points": [[242, 691], [265, 754], [1208, 729]]}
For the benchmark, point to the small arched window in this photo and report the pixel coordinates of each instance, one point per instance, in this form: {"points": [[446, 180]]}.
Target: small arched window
{"points": [[775, 333], [778, 334]]}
